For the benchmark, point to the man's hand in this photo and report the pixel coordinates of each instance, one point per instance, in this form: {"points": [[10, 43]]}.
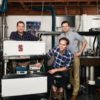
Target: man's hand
{"points": [[38, 65], [52, 71], [77, 54]]}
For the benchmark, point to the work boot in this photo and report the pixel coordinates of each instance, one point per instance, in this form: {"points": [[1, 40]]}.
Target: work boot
{"points": [[74, 97], [55, 95], [60, 96]]}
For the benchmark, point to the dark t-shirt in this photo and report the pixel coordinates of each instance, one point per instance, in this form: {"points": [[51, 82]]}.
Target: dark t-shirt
{"points": [[25, 37]]}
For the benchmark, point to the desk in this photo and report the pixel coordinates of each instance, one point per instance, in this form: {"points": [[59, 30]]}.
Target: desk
{"points": [[20, 85], [21, 50], [90, 62]]}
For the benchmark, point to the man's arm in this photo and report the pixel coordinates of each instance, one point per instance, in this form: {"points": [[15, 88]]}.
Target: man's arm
{"points": [[50, 53], [69, 60], [62, 69], [84, 43], [83, 46], [11, 36], [39, 64]]}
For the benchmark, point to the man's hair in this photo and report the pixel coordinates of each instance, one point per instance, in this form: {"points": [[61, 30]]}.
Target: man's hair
{"points": [[20, 22], [64, 38], [65, 22]]}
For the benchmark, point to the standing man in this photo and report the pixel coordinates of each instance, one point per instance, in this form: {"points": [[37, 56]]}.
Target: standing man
{"points": [[20, 34], [77, 49]]}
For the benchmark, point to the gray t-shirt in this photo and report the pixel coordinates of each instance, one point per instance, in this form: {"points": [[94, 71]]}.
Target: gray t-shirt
{"points": [[75, 40]]}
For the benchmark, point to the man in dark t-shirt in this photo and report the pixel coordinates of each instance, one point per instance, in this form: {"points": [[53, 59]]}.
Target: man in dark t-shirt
{"points": [[24, 37], [20, 34]]}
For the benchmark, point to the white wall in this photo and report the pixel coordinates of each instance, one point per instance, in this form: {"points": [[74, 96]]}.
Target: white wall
{"points": [[87, 22], [46, 22], [90, 22]]}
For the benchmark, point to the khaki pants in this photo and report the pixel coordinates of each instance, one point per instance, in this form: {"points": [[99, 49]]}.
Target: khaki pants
{"points": [[75, 76]]}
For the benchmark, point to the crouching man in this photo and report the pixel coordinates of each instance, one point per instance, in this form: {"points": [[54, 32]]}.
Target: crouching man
{"points": [[60, 60]]}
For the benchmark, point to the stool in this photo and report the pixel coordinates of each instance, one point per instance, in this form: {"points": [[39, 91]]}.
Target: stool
{"points": [[56, 83]]}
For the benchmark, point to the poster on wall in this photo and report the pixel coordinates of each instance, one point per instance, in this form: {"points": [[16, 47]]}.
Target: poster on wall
{"points": [[33, 27]]}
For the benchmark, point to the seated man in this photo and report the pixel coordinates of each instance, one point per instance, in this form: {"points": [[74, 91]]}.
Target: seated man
{"points": [[61, 59], [21, 35]]}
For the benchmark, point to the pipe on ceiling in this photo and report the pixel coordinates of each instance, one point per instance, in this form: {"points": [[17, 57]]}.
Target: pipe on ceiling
{"points": [[4, 6], [52, 10]]}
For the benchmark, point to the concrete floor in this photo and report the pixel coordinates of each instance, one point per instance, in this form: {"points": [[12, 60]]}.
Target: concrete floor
{"points": [[84, 95]]}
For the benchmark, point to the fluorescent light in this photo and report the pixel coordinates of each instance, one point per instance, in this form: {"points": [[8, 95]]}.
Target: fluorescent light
{"points": [[1, 2]]}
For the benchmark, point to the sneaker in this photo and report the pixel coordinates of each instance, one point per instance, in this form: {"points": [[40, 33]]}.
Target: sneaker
{"points": [[60, 96], [74, 98], [55, 95]]}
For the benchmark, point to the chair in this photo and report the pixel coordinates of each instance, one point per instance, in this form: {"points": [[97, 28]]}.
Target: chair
{"points": [[57, 79]]}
